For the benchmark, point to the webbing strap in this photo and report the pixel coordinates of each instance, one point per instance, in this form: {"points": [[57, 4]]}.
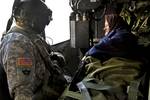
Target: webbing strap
{"points": [[96, 86], [133, 89], [88, 84], [84, 91], [83, 87], [72, 94]]}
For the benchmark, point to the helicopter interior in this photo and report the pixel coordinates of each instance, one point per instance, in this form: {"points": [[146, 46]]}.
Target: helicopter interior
{"points": [[86, 26]]}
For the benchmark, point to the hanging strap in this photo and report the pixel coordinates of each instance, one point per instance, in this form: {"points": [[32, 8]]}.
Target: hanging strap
{"points": [[88, 83], [84, 91], [96, 86], [133, 89]]}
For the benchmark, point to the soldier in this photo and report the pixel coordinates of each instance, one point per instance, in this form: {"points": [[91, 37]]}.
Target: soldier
{"points": [[23, 62]]}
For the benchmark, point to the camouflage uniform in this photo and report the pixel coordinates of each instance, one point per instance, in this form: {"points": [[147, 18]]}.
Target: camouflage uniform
{"points": [[24, 66]]}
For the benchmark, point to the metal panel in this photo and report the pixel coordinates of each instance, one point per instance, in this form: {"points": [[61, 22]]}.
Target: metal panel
{"points": [[79, 34]]}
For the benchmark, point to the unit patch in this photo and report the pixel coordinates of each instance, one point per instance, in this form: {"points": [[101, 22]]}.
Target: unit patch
{"points": [[24, 62]]}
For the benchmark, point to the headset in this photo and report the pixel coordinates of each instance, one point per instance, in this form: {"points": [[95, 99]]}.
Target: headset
{"points": [[19, 3]]}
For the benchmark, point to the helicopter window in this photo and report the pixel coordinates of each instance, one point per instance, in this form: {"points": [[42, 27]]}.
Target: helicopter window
{"points": [[5, 12], [58, 29]]}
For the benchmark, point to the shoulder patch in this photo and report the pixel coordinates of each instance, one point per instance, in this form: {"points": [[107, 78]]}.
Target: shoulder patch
{"points": [[26, 62]]}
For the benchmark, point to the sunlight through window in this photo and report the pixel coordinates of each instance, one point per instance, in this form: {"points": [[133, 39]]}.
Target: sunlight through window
{"points": [[58, 29]]}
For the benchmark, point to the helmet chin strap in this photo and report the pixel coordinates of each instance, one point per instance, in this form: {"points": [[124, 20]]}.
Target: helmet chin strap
{"points": [[9, 23]]}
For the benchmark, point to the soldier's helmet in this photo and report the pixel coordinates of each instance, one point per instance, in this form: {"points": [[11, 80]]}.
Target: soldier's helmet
{"points": [[33, 13]]}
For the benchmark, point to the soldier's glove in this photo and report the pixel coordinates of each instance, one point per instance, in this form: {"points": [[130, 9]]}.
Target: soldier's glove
{"points": [[58, 59]]}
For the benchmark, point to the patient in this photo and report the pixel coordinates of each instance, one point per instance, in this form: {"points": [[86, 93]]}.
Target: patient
{"points": [[118, 40], [114, 62]]}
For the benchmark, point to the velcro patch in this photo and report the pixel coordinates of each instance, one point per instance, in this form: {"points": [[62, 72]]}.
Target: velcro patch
{"points": [[24, 62]]}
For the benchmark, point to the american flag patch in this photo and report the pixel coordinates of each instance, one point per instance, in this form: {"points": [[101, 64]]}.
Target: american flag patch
{"points": [[24, 62]]}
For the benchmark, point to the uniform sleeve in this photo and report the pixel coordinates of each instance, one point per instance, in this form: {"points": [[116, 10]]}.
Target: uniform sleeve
{"points": [[19, 63]]}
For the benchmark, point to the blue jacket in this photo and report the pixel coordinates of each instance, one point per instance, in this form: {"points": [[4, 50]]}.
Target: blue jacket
{"points": [[120, 42]]}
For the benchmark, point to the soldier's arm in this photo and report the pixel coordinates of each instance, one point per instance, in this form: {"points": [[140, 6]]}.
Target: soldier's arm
{"points": [[19, 65]]}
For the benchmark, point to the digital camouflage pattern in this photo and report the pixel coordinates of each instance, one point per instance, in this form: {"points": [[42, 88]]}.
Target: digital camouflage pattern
{"points": [[25, 68]]}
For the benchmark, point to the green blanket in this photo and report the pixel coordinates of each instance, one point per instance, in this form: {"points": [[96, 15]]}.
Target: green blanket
{"points": [[109, 80]]}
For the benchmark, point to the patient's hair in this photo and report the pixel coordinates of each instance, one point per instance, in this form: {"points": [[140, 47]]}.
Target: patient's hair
{"points": [[115, 21]]}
